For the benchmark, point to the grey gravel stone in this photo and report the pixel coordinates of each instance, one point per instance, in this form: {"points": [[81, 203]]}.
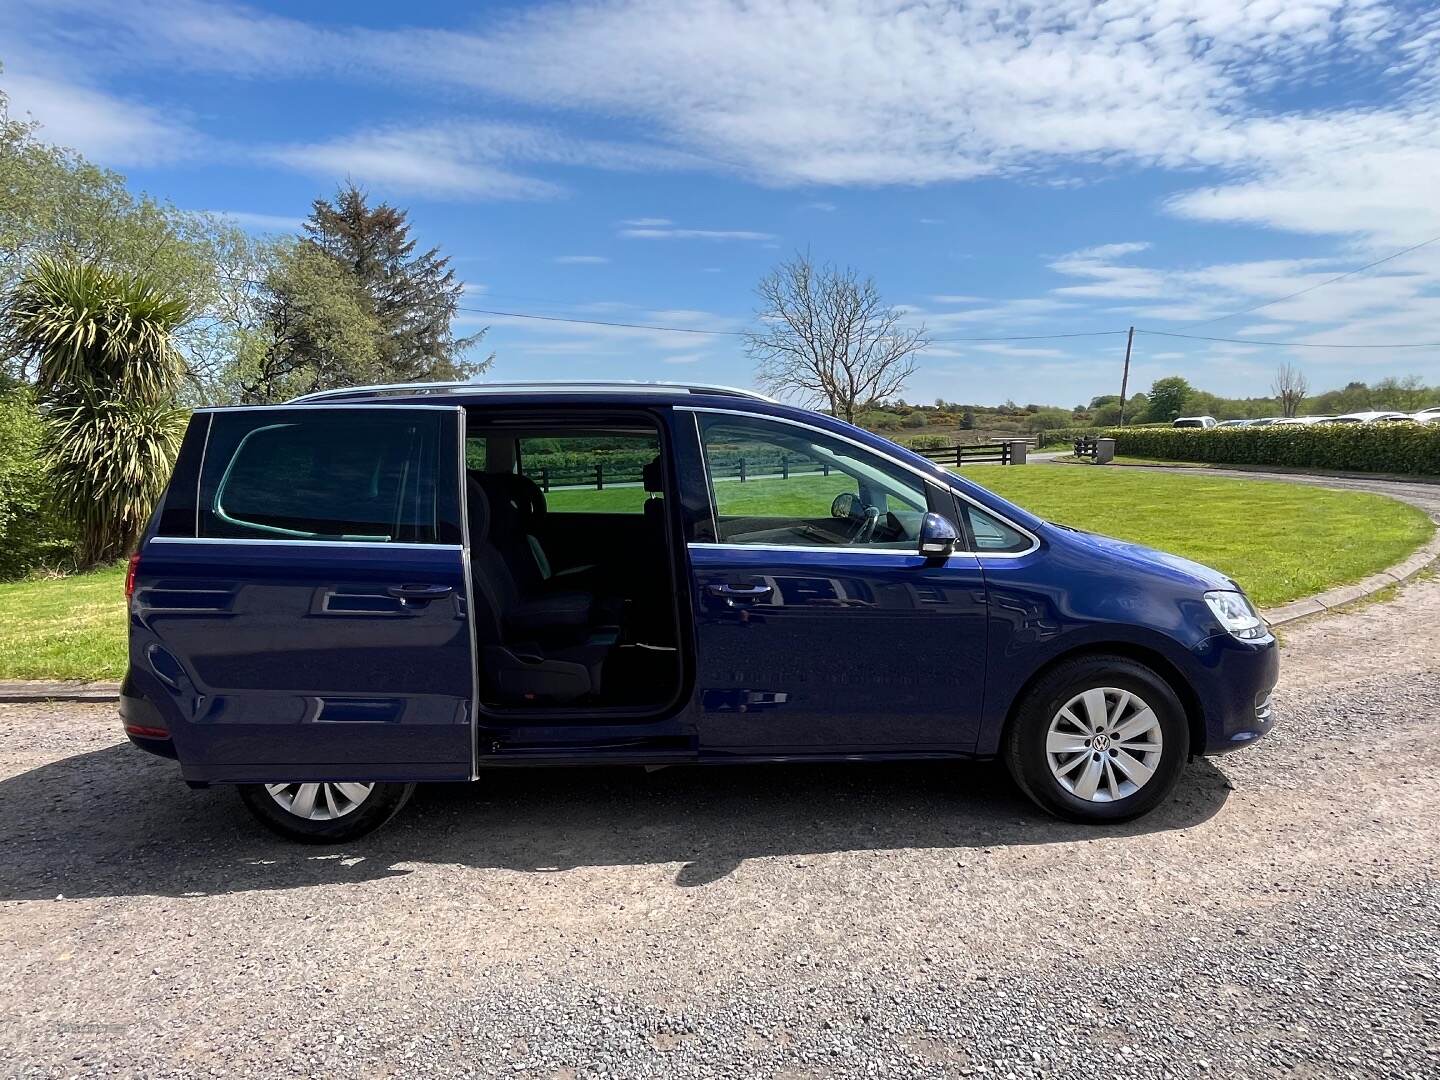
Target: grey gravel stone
{"points": [[1278, 917]]}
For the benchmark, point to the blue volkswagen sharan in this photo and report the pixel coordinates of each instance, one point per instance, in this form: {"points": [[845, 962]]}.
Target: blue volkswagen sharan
{"points": [[361, 590]]}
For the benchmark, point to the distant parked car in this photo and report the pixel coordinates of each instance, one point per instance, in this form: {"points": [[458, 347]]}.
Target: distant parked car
{"points": [[1372, 418], [1195, 421], [1266, 421], [1233, 423], [1303, 421], [1427, 416]]}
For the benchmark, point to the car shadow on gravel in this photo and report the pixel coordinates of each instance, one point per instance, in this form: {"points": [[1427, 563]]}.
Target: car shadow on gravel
{"points": [[115, 822]]}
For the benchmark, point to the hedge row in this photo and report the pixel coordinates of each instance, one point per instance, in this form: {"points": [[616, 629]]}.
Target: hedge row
{"points": [[1387, 448]]}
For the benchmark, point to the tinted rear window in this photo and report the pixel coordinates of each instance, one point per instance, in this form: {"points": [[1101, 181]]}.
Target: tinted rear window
{"points": [[324, 475]]}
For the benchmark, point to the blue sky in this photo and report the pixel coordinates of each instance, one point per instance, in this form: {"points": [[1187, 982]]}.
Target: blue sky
{"points": [[1004, 171]]}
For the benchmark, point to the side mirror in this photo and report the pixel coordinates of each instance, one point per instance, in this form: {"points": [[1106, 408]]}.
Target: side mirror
{"points": [[938, 536]]}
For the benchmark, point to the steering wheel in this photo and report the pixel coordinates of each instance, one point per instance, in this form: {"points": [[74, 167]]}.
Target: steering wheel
{"points": [[866, 529], [847, 506]]}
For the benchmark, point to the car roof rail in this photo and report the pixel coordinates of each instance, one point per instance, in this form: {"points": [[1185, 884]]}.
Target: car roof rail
{"points": [[557, 387]]}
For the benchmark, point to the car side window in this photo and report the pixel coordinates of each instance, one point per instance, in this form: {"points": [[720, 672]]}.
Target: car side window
{"points": [[322, 475], [781, 484], [993, 536], [598, 473]]}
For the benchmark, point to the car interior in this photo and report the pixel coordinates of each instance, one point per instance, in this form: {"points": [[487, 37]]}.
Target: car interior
{"points": [[841, 499], [567, 532]]}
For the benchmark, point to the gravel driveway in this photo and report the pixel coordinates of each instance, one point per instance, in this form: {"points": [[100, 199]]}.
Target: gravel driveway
{"points": [[1278, 917]]}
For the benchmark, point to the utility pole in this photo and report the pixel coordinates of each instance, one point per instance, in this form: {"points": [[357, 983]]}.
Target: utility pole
{"points": [[1125, 379]]}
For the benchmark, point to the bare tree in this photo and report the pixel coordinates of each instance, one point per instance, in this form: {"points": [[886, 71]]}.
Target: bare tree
{"points": [[1290, 387], [826, 337]]}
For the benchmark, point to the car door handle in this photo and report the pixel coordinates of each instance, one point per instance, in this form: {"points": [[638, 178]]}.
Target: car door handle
{"points": [[735, 593], [419, 593]]}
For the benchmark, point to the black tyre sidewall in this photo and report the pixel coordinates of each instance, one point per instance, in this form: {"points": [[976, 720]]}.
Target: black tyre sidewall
{"points": [[384, 802], [1025, 743]]}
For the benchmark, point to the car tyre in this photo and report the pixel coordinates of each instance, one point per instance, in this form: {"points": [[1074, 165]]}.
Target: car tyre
{"points": [[324, 813], [1098, 739]]}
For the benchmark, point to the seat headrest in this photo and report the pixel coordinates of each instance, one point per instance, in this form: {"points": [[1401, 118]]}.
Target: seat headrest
{"points": [[515, 501], [527, 494], [651, 476], [477, 510]]}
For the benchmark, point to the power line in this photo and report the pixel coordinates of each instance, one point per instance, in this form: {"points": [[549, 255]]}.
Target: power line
{"points": [[1308, 289], [1293, 344]]}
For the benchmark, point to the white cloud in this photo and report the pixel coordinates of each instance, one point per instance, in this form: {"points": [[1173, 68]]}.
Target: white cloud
{"points": [[683, 358], [666, 233], [262, 223], [580, 260], [683, 316], [1264, 330], [1110, 251], [822, 207], [1003, 349], [465, 159], [647, 222], [108, 129], [832, 92]]}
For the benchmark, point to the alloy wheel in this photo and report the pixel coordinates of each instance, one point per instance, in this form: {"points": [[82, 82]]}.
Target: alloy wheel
{"points": [[1104, 744], [321, 801]]}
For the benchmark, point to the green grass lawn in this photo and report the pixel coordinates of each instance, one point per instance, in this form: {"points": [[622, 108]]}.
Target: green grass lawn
{"points": [[1280, 541], [64, 628]]}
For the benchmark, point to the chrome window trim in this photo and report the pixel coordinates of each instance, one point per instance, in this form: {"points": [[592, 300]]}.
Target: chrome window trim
{"points": [[837, 549], [469, 586], [200, 472], [294, 542], [927, 477], [334, 406]]}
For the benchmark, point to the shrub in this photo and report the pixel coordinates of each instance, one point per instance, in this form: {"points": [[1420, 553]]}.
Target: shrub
{"points": [[32, 533], [926, 442], [1387, 448]]}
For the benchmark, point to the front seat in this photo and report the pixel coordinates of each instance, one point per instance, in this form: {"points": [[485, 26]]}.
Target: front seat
{"points": [[519, 505], [542, 649]]}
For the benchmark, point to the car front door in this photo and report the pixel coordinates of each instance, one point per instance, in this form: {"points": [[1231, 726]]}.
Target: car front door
{"points": [[310, 618], [820, 628]]}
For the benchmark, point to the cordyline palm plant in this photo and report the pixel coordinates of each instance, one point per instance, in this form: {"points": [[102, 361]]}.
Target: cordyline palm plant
{"points": [[107, 375]]}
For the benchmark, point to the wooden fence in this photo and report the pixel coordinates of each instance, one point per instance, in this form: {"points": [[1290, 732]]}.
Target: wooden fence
{"points": [[992, 453]]}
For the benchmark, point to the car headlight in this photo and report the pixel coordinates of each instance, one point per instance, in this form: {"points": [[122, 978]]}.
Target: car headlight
{"points": [[1237, 615]]}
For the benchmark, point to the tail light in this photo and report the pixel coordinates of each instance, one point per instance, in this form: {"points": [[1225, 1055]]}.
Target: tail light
{"points": [[130, 568]]}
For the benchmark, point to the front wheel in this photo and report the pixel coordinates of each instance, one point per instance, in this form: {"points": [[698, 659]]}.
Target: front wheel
{"points": [[1098, 739], [326, 812]]}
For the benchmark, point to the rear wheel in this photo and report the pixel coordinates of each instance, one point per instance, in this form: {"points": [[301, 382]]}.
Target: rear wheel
{"points": [[1098, 739], [327, 812]]}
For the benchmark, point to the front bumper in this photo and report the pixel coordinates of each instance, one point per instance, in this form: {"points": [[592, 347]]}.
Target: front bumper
{"points": [[1234, 682]]}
